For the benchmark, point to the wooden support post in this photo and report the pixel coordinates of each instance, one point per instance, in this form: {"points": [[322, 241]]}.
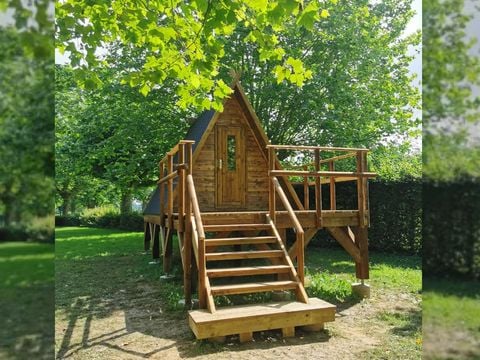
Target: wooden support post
{"points": [[288, 332], [361, 239], [168, 251], [187, 273], [318, 191], [333, 195], [162, 195], [170, 191], [156, 241], [146, 236], [271, 186], [306, 191], [246, 337], [181, 188], [361, 188]]}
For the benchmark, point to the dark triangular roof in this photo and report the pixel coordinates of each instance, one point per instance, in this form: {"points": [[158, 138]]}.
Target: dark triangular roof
{"points": [[195, 133], [199, 126]]}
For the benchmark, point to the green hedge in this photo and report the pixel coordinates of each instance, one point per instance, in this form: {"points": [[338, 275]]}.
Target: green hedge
{"points": [[23, 233], [395, 214], [451, 228], [131, 222]]}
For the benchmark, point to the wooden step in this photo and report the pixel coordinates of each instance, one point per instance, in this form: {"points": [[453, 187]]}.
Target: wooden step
{"points": [[259, 317], [236, 227], [240, 241], [253, 287], [248, 270], [236, 255]]}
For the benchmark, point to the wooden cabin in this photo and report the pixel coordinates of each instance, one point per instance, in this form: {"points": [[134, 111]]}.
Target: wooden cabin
{"points": [[225, 194]]}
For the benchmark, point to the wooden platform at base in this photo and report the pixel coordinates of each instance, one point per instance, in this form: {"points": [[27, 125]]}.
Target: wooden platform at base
{"points": [[246, 319]]}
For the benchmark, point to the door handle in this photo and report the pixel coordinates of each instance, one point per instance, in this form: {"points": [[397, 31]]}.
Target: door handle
{"points": [[220, 163]]}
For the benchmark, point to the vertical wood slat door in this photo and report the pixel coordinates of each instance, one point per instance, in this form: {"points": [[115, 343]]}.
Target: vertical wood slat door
{"points": [[230, 165]]}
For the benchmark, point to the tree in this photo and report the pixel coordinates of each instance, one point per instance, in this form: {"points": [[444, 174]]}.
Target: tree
{"points": [[449, 108], [26, 131], [361, 92], [114, 134], [183, 40]]}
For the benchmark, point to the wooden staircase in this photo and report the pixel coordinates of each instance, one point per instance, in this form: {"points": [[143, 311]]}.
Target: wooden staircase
{"points": [[253, 258]]}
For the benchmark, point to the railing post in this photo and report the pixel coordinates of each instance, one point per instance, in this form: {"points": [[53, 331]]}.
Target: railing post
{"points": [[318, 191], [162, 195], [170, 191], [271, 186], [333, 199], [306, 190], [181, 188], [361, 188]]}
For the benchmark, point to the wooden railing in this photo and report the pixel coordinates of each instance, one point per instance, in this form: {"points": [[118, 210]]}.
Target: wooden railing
{"points": [[296, 225], [198, 244], [190, 226], [332, 176]]}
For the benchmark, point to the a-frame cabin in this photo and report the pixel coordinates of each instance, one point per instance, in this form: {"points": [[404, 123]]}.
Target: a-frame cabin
{"points": [[224, 193]]}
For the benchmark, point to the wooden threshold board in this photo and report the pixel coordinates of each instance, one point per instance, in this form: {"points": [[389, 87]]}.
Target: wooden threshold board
{"points": [[259, 317]]}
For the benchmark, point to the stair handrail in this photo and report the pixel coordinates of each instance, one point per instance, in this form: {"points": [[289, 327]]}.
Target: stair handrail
{"points": [[300, 233], [198, 237]]}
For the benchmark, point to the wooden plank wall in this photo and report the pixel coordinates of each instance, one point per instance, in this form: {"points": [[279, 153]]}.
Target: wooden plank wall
{"points": [[257, 169]]}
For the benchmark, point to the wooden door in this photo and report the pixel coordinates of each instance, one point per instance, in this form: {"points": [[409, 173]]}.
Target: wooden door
{"points": [[230, 167]]}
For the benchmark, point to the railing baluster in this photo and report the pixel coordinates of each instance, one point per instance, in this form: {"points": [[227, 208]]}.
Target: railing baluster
{"points": [[306, 190], [170, 191], [333, 199], [318, 191], [162, 195], [181, 188]]}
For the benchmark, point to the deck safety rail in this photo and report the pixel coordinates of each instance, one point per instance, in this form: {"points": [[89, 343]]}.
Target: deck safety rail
{"points": [[300, 234], [182, 153], [330, 176]]}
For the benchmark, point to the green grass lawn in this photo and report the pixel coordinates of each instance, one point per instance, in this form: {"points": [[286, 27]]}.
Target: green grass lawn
{"points": [[26, 300], [451, 315], [95, 264]]}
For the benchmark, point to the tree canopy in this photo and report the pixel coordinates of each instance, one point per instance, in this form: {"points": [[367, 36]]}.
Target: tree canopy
{"points": [[26, 123], [450, 109], [184, 41]]}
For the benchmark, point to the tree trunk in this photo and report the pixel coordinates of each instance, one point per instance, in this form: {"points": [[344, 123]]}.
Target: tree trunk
{"points": [[67, 204], [11, 212], [126, 202]]}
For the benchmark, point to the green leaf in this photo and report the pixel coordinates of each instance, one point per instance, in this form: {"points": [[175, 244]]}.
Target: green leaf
{"points": [[296, 64], [195, 81], [308, 16], [324, 13], [257, 5], [145, 89]]}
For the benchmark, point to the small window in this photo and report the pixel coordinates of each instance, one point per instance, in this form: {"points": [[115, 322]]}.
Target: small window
{"points": [[231, 153]]}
